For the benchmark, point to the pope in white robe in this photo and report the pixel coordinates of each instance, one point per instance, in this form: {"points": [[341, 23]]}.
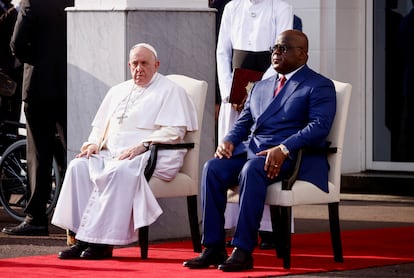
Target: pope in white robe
{"points": [[105, 197]]}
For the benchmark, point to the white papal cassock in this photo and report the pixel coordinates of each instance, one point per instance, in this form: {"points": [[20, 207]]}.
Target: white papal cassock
{"points": [[105, 200]]}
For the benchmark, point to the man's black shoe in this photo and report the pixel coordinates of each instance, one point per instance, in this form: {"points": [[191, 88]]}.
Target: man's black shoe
{"points": [[267, 245], [26, 229], [266, 240], [209, 256], [97, 252], [239, 260], [74, 252]]}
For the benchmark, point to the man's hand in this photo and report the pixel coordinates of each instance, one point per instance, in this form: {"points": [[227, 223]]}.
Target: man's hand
{"points": [[239, 107], [225, 149], [274, 160], [88, 151], [132, 152]]}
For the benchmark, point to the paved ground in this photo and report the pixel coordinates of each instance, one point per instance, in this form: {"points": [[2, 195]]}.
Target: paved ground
{"points": [[356, 212]]}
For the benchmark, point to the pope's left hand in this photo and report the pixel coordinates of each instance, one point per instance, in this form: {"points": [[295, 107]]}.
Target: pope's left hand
{"points": [[132, 152]]}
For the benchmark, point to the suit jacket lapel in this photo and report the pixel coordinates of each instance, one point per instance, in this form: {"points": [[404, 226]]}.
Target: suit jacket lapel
{"points": [[278, 102], [266, 94]]}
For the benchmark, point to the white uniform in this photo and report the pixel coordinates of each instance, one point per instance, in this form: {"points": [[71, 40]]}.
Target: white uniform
{"points": [[249, 25], [105, 200]]}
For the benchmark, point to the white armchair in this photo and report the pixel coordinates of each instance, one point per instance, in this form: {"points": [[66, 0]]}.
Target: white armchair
{"points": [[282, 196]]}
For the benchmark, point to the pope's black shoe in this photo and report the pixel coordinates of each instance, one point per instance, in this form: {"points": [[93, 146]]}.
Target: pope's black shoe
{"points": [[239, 260], [97, 252], [209, 256], [26, 229], [74, 252]]}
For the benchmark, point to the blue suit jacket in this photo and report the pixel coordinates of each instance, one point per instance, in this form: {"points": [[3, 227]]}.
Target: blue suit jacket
{"points": [[300, 116]]}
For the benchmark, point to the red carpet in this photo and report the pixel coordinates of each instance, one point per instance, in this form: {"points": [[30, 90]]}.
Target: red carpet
{"points": [[310, 253]]}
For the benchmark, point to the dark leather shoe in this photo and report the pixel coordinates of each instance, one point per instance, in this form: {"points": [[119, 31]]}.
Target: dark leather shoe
{"points": [[209, 256], [266, 240], [74, 252], [238, 261], [97, 252], [26, 229], [267, 245]]}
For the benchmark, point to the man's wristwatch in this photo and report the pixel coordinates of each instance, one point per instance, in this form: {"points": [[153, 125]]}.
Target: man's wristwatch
{"points": [[146, 145], [284, 150]]}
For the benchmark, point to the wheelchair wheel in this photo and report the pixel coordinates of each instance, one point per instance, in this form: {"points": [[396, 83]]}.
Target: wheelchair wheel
{"points": [[14, 185]]}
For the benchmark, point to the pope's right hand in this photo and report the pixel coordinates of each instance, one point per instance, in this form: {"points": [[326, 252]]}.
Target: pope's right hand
{"points": [[88, 151]]}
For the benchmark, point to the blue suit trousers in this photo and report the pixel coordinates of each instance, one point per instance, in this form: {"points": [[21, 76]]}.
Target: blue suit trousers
{"points": [[218, 175]]}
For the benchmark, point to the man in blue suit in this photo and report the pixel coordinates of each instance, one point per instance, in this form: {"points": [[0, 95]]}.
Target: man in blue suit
{"points": [[261, 149]]}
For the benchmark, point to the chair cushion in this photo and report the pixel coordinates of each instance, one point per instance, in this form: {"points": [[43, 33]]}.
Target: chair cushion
{"points": [[182, 185], [302, 193]]}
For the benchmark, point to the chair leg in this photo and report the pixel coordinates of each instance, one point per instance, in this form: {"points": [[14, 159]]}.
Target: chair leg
{"points": [[286, 226], [143, 242], [193, 219], [195, 231], [335, 231], [275, 216]]}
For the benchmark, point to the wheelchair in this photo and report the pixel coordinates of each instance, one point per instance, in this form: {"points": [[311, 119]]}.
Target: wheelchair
{"points": [[14, 184]]}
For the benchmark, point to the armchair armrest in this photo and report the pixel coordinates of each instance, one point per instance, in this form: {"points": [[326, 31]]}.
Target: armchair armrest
{"points": [[152, 161], [287, 184]]}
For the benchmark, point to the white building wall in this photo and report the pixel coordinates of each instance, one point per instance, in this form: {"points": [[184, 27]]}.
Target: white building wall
{"points": [[336, 31]]}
